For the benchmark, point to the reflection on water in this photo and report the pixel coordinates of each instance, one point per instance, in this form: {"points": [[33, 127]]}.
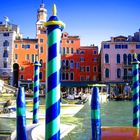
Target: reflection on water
{"points": [[113, 113]]}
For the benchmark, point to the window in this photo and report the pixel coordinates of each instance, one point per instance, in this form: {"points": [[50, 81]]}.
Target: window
{"points": [[129, 59], [107, 73], [87, 78], [82, 52], [77, 65], [27, 46], [33, 58], [106, 58], [23, 46], [94, 68], [67, 50], [21, 77], [71, 64], [124, 46], [27, 57], [94, 52], [67, 76], [36, 46], [16, 56], [5, 43], [106, 46], [88, 69], [138, 46], [72, 41], [5, 34], [94, 78], [82, 78], [117, 46], [41, 49], [82, 68], [118, 73], [125, 73], [5, 54], [125, 59], [118, 59], [41, 40], [82, 59], [71, 76], [77, 51], [64, 51], [16, 45], [72, 50], [67, 63], [5, 64], [63, 76], [94, 59], [40, 76]]}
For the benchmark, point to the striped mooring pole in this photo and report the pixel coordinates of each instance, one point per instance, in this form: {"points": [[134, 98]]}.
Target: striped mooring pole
{"points": [[95, 115], [136, 102], [52, 121], [21, 115], [36, 92]]}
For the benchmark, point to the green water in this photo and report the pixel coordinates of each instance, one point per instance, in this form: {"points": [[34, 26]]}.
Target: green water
{"points": [[113, 113]]}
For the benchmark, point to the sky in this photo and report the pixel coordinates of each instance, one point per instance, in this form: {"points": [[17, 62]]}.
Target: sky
{"points": [[93, 20]]}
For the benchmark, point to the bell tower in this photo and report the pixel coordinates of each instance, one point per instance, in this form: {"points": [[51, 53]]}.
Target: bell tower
{"points": [[41, 19]]}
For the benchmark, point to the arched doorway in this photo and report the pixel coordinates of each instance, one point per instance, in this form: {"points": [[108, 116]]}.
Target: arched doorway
{"points": [[15, 74]]}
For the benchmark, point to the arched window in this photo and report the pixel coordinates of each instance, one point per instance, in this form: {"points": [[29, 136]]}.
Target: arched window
{"points": [[40, 75], [5, 43], [106, 58], [107, 73], [71, 64], [125, 59], [71, 76], [118, 73], [67, 76], [67, 63], [5, 54], [63, 76], [129, 59], [118, 59]]}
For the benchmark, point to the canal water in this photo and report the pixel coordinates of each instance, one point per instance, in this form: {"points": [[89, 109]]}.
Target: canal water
{"points": [[113, 113]]}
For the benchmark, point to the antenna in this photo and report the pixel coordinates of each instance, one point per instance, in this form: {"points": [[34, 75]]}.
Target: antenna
{"points": [[42, 1]]}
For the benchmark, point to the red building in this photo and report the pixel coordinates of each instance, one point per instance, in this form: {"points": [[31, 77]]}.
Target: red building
{"points": [[79, 64]]}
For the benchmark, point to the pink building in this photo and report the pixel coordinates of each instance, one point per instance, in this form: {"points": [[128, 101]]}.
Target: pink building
{"points": [[116, 57]]}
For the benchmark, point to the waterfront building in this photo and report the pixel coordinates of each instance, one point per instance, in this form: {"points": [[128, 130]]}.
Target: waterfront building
{"points": [[116, 57], [8, 33], [79, 63]]}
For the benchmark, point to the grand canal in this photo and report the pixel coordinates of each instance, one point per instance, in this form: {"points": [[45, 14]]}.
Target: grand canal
{"points": [[113, 113]]}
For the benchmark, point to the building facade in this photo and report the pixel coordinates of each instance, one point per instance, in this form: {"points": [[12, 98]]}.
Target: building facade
{"points": [[8, 33], [79, 63], [116, 57]]}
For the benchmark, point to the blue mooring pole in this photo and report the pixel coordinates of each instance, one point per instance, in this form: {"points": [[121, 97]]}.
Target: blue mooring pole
{"points": [[95, 115]]}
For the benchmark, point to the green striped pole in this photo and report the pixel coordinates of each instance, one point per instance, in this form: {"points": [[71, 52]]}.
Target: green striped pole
{"points": [[36, 93], [21, 115], [52, 121], [136, 102]]}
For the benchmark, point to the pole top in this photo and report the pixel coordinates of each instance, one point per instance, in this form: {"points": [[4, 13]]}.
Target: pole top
{"points": [[135, 61], [54, 10]]}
